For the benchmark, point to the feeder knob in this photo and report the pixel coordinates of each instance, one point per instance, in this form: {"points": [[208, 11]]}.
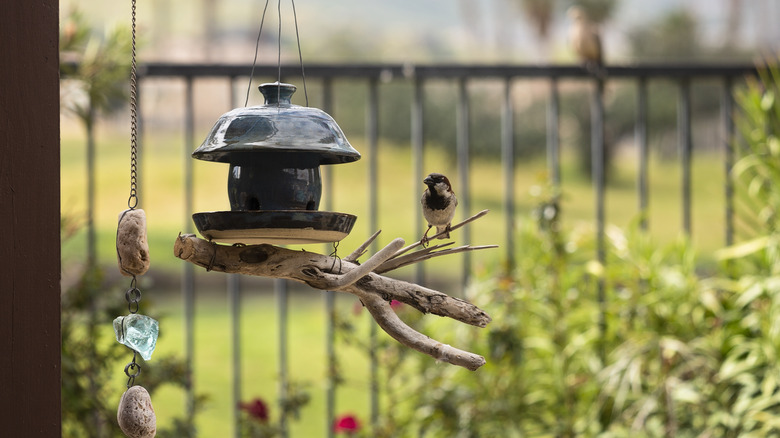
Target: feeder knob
{"points": [[277, 93]]}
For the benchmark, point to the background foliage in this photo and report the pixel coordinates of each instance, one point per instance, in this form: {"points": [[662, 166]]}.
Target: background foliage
{"points": [[673, 351]]}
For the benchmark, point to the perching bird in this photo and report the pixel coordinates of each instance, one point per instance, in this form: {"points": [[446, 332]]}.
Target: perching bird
{"points": [[585, 40], [438, 205]]}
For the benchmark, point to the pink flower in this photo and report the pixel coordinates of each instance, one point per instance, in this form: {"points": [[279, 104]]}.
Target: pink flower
{"points": [[395, 304], [348, 424], [257, 409]]}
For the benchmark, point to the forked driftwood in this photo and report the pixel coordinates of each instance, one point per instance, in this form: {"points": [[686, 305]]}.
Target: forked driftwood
{"points": [[362, 280]]}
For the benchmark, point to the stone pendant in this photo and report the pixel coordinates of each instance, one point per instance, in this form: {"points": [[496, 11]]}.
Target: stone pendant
{"points": [[136, 415], [139, 332], [132, 247]]}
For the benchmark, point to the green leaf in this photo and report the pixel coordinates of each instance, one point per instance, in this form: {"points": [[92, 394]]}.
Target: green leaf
{"points": [[743, 249]]}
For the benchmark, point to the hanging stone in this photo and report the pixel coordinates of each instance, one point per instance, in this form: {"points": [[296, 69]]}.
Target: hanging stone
{"points": [[132, 248], [136, 415], [138, 332]]}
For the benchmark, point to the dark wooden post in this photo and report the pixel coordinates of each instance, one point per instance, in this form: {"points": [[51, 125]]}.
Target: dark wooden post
{"points": [[30, 219]]}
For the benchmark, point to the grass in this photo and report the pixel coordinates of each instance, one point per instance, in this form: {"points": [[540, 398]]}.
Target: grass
{"points": [[162, 196], [260, 363]]}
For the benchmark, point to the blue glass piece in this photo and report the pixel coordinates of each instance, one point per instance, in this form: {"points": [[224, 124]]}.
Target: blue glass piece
{"points": [[138, 332]]}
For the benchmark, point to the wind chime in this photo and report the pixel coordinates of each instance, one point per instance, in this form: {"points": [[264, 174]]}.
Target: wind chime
{"points": [[135, 414]]}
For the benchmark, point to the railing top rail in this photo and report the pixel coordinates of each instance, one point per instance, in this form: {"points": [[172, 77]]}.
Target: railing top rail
{"points": [[448, 71]]}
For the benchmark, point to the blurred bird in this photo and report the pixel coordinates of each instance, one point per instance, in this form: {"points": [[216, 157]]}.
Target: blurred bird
{"points": [[585, 40], [438, 204]]}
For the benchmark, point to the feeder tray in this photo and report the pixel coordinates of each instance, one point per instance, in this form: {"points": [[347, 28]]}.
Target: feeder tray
{"points": [[279, 227], [274, 186]]}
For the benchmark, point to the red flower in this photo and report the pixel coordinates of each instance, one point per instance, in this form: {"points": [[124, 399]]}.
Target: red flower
{"points": [[257, 409], [346, 423], [395, 304]]}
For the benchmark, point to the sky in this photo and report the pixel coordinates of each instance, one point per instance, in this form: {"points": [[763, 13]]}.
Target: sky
{"points": [[402, 30]]}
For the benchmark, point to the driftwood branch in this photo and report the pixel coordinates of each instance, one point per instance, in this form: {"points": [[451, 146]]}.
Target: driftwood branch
{"points": [[362, 280]]}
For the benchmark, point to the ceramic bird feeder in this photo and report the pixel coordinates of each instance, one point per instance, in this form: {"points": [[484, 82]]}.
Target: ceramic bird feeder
{"points": [[274, 186]]}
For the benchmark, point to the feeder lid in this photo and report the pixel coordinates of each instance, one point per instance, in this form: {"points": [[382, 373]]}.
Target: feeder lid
{"points": [[277, 126]]}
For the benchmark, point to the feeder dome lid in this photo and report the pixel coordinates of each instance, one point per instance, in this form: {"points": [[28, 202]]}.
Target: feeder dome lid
{"points": [[277, 126]]}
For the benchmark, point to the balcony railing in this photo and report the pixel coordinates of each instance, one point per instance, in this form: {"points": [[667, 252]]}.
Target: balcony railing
{"points": [[376, 76]]}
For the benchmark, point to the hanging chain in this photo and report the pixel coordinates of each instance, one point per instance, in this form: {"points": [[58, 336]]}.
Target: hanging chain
{"points": [[133, 295], [132, 201]]}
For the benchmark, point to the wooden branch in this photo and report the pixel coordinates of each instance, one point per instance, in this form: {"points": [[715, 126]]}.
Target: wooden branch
{"points": [[387, 319], [374, 290]]}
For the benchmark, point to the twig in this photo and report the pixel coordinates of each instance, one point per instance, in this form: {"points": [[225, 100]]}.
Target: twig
{"points": [[422, 255], [452, 228], [361, 249]]}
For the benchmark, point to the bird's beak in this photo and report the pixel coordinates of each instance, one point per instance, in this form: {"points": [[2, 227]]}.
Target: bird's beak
{"points": [[428, 181]]}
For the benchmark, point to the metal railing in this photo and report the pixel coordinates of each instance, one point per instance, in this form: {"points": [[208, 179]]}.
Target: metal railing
{"points": [[462, 75]]}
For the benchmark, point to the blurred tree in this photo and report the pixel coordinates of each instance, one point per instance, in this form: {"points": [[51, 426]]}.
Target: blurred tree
{"points": [[673, 37], [599, 11], [540, 13], [95, 69]]}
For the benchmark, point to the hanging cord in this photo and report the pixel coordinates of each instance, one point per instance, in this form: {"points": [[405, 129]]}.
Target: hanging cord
{"points": [[279, 52], [300, 54], [335, 255], [132, 201], [257, 47]]}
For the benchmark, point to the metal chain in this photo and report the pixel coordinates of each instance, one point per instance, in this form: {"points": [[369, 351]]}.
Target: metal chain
{"points": [[133, 295], [132, 370], [132, 201]]}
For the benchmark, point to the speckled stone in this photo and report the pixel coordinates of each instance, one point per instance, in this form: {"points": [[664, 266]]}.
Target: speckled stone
{"points": [[132, 248], [136, 415]]}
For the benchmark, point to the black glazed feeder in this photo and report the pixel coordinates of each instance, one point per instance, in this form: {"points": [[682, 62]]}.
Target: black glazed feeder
{"points": [[274, 185]]}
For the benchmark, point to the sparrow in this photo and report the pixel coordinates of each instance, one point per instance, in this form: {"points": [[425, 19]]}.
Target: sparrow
{"points": [[438, 205], [585, 40]]}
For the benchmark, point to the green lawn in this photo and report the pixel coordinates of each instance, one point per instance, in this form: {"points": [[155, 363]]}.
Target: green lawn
{"points": [[162, 197], [259, 345]]}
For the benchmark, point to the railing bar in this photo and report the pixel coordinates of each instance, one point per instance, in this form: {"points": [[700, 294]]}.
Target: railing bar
{"points": [[640, 134], [330, 296], [188, 275], [418, 139], [280, 290], [234, 307], [508, 161], [445, 71], [599, 185], [686, 148], [372, 122], [463, 192], [553, 123], [729, 131]]}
